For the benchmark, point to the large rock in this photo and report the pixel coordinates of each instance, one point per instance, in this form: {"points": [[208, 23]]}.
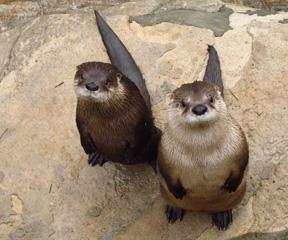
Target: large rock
{"points": [[13, 13], [47, 189], [260, 3], [18, 12]]}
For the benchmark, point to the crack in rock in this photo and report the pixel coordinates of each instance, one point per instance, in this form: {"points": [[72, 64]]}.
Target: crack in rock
{"points": [[7, 67]]}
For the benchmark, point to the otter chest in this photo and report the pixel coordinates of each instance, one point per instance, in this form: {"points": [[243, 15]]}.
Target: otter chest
{"points": [[203, 172]]}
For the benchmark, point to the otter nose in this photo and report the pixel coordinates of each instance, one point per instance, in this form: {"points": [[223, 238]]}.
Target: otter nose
{"points": [[92, 86], [199, 109]]}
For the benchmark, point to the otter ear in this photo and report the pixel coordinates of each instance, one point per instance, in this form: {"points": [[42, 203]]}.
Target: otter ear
{"points": [[173, 98], [217, 88], [119, 76], [78, 68]]}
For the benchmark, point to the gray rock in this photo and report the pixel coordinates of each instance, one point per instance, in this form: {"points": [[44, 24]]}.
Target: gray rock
{"points": [[217, 21]]}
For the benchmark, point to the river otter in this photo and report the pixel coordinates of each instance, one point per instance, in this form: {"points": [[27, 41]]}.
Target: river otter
{"points": [[203, 153], [113, 115]]}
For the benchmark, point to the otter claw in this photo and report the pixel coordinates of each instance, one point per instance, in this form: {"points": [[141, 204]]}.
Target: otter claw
{"points": [[173, 214], [96, 159], [222, 219]]}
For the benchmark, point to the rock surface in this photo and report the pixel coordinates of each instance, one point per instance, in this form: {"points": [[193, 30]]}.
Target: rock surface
{"points": [[47, 189], [261, 3]]}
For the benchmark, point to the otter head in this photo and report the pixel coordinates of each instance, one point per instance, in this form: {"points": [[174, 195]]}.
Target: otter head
{"points": [[195, 104], [97, 81]]}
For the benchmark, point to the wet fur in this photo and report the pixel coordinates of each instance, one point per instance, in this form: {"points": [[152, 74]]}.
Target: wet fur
{"points": [[119, 126]]}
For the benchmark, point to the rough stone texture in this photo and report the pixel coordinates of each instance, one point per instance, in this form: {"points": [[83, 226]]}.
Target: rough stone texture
{"points": [[240, 19], [217, 21], [47, 189], [8, 39], [260, 3], [233, 62], [17, 12]]}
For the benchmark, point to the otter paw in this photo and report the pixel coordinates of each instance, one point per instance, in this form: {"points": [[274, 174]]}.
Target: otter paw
{"points": [[173, 214], [96, 159], [222, 219], [231, 184], [179, 193], [178, 190]]}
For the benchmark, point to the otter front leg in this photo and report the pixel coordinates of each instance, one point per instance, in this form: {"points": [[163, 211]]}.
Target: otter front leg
{"points": [[95, 157], [238, 169], [177, 189], [232, 182], [174, 185]]}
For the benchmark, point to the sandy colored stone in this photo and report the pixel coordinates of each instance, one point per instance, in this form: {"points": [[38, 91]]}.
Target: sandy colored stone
{"points": [[234, 49], [16, 12], [48, 190], [260, 3], [8, 40], [41, 119], [239, 19], [135, 8]]}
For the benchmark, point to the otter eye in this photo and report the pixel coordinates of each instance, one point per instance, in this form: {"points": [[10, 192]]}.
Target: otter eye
{"points": [[80, 80], [107, 83], [182, 104], [210, 98]]}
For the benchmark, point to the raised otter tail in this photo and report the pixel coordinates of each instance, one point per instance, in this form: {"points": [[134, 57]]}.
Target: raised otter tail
{"points": [[121, 58], [213, 70]]}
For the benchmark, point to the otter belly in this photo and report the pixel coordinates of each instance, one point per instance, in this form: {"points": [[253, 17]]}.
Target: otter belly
{"points": [[206, 203], [203, 175], [113, 139], [112, 145]]}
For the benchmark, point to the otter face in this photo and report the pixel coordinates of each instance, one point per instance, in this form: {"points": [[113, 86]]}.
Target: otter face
{"points": [[196, 103], [97, 81]]}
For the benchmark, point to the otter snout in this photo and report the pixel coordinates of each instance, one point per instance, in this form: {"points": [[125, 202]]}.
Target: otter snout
{"points": [[199, 109], [92, 86]]}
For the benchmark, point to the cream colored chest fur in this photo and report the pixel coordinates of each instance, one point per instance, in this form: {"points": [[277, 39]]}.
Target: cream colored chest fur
{"points": [[202, 163]]}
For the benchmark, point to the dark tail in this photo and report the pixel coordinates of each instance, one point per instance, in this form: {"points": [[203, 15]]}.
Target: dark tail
{"points": [[213, 70], [121, 58]]}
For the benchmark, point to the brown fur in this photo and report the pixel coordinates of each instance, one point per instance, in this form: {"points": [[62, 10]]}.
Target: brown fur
{"points": [[115, 122], [217, 203], [202, 157]]}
